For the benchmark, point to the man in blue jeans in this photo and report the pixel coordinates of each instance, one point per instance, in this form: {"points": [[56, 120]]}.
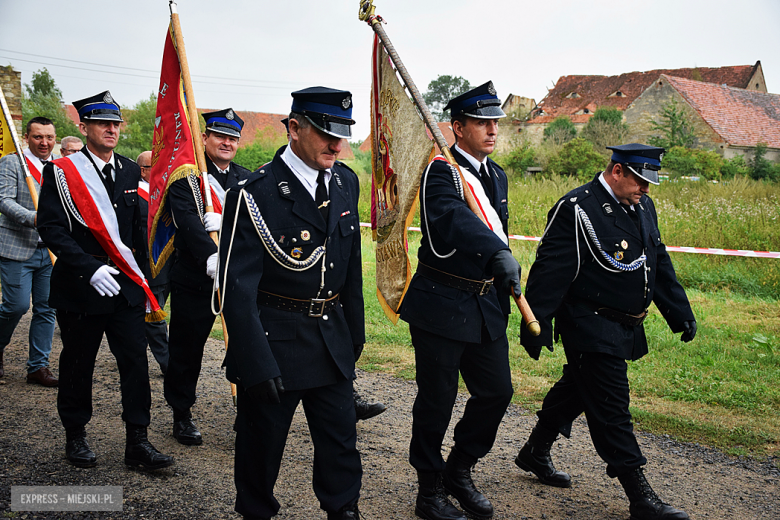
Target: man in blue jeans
{"points": [[25, 265]]}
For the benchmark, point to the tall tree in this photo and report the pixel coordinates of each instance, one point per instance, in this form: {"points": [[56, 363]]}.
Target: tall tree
{"points": [[42, 98], [137, 135], [605, 128], [675, 127], [441, 90]]}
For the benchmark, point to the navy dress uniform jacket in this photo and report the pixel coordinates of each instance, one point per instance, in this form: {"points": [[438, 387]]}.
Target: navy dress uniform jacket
{"points": [[192, 243], [266, 342], [76, 248], [447, 221], [557, 289]]}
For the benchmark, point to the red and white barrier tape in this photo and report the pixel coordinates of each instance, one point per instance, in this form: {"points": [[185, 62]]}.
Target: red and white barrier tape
{"points": [[674, 249]]}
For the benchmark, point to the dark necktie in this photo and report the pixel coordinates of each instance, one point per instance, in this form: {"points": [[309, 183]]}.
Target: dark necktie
{"points": [[108, 180], [487, 182], [321, 195], [633, 215]]}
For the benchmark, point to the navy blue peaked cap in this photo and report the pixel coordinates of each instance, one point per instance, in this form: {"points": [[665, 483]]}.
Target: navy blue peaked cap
{"points": [[328, 109], [100, 107], [643, 160], [480, 102], [224, 122]]}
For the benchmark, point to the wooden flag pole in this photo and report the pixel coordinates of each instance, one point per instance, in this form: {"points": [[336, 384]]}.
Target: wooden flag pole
{"points": [[22, 161], [200, 155], [366, 14]]}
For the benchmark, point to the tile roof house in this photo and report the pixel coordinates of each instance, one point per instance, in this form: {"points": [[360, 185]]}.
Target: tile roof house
{"points": [[578, 97], [726, 119]]}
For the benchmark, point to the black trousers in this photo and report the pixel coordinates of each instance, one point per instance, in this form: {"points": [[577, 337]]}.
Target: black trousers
{"points": [[485, 370], [81, 338], [189, 328], [261, 434], [596, 384]]}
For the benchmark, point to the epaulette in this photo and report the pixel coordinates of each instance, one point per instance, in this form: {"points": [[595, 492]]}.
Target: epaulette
{"points": [[339, 163], [578, 194]]}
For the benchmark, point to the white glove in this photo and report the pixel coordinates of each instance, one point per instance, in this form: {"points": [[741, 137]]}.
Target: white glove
{"points": [[104, 282], [211, 265], [212, 221]]}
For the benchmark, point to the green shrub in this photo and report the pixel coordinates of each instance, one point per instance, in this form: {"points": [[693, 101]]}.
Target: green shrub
{"points": [[560, 130], [262, 149], [518, 159], [577, 158], [734, 167], [681, 161]]}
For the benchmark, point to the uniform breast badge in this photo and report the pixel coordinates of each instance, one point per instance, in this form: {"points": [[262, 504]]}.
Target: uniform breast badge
{"points": [[624, 244], [618, 255], [305, 235], [296, 252]]}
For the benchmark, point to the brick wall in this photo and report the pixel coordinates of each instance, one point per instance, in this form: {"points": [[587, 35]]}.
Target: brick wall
{"points": [[11, 82]]}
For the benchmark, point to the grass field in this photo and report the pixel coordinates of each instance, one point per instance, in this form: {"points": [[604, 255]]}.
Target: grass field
{"points": [[722, 389]]}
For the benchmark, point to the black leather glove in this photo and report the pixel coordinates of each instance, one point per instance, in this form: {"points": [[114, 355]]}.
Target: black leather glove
{"points": [[358, 349], [267, 391], [506, 272], [533, 351], [690, 331]]}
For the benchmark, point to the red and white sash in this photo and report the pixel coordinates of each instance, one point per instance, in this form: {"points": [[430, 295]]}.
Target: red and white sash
{"points": [[483, 201], [34, 165], [217, 193], [143, 190], [89, 195]]}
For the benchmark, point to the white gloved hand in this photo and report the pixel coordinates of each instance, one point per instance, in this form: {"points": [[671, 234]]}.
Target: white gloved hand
{"points": [[104, 282], [211, 265], [212, 221]]}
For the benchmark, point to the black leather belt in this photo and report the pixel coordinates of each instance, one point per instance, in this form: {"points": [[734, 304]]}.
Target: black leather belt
{"points": [[629, 320], [315, 308], [481, 287], [105, 259]]}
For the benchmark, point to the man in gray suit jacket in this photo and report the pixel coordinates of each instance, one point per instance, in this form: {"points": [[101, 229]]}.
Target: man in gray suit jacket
{"points": [[25, 265]]}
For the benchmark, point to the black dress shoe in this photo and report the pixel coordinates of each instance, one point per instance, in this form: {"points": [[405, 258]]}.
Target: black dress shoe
{"points": [[366, 409], [79, 454], [187, 433], [139, 452], [458, 483], [346, 513], [534, 456], [432, 502]]}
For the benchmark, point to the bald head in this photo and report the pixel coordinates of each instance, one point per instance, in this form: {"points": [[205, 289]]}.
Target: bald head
{"points": [[145, 162]]}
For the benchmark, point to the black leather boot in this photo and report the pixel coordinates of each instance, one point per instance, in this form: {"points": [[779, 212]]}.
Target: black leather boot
{"points": [[432, 501], [366, 409], [77, 450], [644, 503], [347, 513], [535, 457], [139, 452], [457, 482], [187, 433]]}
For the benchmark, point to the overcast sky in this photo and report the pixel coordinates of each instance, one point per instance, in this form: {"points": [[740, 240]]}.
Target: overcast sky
{"points": [[250, 55]]}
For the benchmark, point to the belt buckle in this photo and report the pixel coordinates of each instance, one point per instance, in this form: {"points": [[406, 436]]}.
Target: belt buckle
{"points": [[313, 309], [486, 285]]}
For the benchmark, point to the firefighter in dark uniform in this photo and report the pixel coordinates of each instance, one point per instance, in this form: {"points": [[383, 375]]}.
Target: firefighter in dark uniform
{"points": [[290, 272], [92, 297], [194, 267], [458, 317], [600, 264]]}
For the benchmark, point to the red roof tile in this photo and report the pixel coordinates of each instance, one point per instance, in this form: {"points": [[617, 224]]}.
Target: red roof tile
{"points": [[740, 117], [572, 94]]}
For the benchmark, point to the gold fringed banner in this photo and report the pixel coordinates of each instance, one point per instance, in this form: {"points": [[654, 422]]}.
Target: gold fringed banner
{"points": [[400, 150]]}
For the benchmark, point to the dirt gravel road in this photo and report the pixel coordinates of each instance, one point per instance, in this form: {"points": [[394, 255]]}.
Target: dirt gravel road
{"points": [[704, 482]]}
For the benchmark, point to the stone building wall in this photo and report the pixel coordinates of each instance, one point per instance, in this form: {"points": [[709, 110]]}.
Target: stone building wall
{"points": [[648, 107], [11, 83]]}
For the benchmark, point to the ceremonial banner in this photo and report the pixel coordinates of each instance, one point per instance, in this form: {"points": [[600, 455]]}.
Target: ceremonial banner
{"points": [[6, 139], [173, 155], [400, 150]]}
